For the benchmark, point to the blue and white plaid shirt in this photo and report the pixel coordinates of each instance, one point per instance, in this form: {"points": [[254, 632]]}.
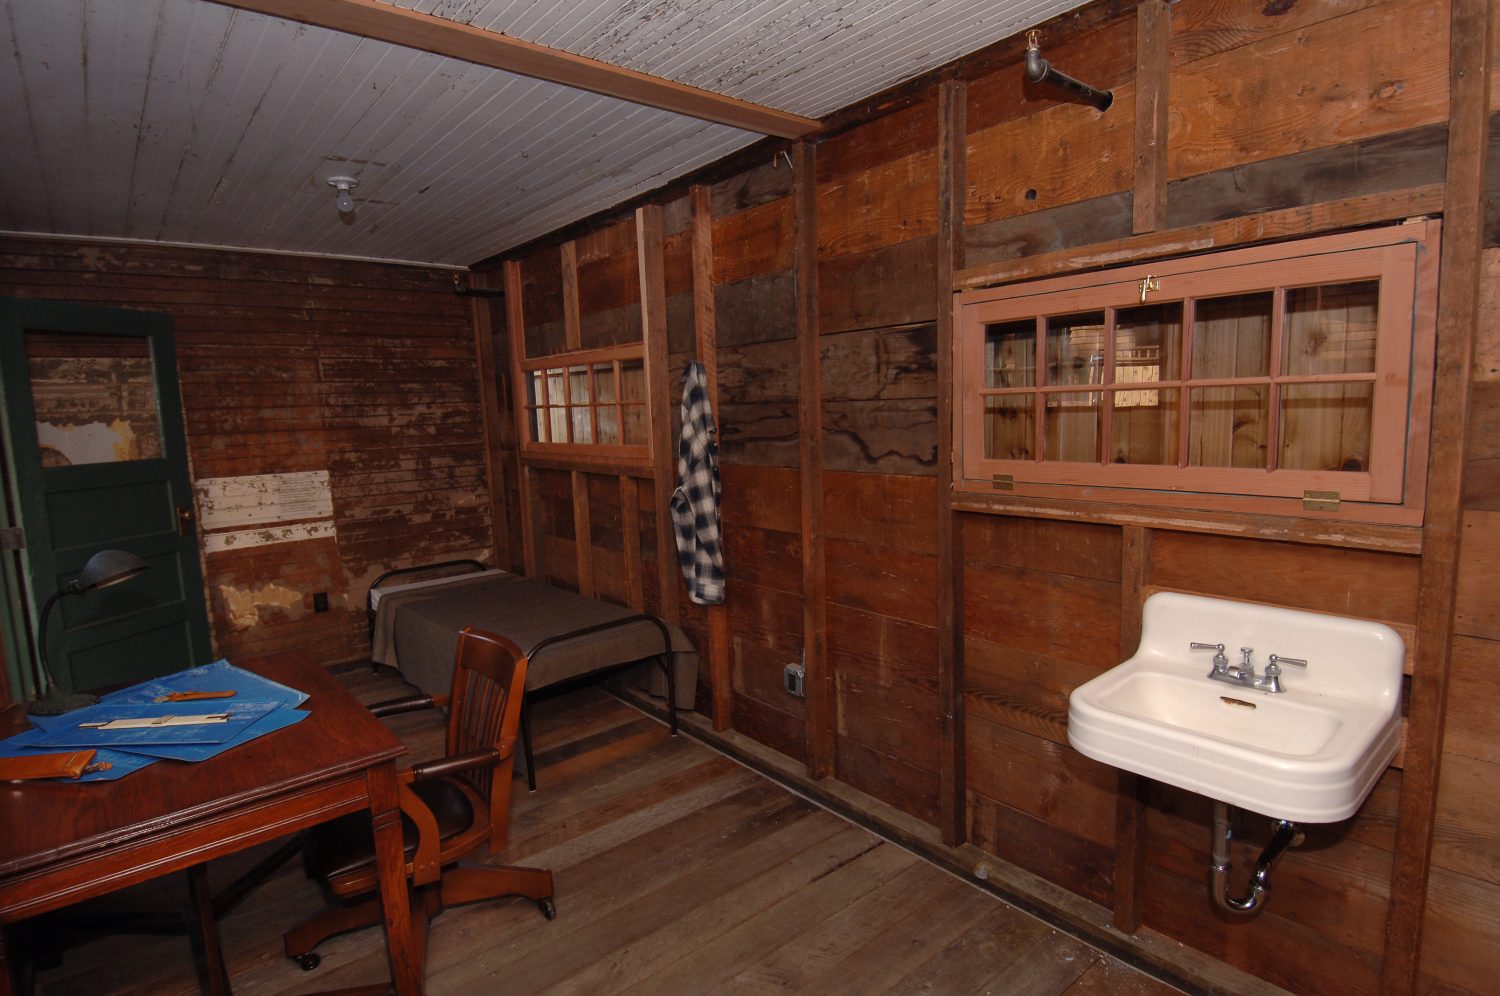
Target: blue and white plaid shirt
{"points": [[695, 503]]}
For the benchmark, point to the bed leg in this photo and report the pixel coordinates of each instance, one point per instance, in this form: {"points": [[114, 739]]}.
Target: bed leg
{"points": [[526, 745]]}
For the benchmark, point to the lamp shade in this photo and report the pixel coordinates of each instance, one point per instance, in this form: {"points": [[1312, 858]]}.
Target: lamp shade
{"points": [[109, 567]]}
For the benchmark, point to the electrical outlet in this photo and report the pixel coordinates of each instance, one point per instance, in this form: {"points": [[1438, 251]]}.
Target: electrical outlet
{"points": [[320, 601], [794, 680]]}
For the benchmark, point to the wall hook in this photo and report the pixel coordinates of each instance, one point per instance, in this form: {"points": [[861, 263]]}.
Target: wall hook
{"points": [[776, 160], [1039, 70]]}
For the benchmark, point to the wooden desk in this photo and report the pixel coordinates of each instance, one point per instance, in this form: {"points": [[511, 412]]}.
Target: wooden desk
{"points": [[61, 843]]}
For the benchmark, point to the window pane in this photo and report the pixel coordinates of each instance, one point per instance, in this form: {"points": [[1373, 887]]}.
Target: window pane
{"points": [[538, 420], [1331, 329], [583, 424], [632, 380], [1075, 349], [578, 385], [557, 421], [604, 381], [555, 387], [1326, 426], [1227, 427], [1144, 427], [1232, 336], [1009, 426], [609, 425], [1072, 427], [95, 398], [1010, 354], [1148, 343], [635, 424], [536, 388]]}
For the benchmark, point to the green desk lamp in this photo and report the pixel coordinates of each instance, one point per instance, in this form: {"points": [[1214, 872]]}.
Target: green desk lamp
{"points": [[104, 568]]}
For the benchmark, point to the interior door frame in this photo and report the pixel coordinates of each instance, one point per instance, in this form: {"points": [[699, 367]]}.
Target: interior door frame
{"points": [[22, 452]]}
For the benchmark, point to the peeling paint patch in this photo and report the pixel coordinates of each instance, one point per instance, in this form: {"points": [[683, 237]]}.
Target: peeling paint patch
{"points": [[91, 442], [243, 606], [241, 539], [225, 502]]}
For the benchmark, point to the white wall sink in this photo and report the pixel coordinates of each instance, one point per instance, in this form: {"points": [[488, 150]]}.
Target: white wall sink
{"points": [[1309, 754]]}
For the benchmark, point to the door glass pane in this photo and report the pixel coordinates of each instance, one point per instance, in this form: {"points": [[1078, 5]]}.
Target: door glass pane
{"points": [[1075, 349], [1232, 336], [1326, 426], [1009, 426], [1144, 427], [1227, 427], [1010, 354], [1331, 329], [1148, 343], [95, 398], [1072, 427], [578, 385]]}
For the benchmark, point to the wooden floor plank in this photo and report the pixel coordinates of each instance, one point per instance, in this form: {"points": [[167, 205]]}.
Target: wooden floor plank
{"points": [[677, 871]]}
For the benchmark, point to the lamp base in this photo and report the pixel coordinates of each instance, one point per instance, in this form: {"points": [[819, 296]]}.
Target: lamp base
{"points": [[55, 703]]}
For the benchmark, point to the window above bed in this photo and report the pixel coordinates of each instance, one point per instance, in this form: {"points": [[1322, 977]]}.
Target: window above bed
{"points": [[589, 401]]}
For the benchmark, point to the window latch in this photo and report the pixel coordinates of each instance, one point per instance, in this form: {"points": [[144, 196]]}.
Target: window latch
{"points": [[1148, 285]]}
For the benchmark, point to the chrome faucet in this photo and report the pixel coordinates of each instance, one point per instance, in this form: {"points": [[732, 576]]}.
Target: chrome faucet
{"points": [[1243, 674]]}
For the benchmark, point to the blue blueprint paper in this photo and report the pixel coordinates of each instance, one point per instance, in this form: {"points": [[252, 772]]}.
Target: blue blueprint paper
{"points": [[220, 676], [71, 733], [276, 719], [120, 762]]}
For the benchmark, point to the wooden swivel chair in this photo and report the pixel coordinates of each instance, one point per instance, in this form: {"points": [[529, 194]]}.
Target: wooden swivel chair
{"points": [[449, 808]]}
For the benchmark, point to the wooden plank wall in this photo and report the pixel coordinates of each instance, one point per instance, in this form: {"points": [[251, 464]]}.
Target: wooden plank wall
{"points": [[291, 364], [1240, 120]]}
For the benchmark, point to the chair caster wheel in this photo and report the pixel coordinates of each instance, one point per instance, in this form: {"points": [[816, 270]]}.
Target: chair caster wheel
{"points": [[309, 961], [548, 908]]}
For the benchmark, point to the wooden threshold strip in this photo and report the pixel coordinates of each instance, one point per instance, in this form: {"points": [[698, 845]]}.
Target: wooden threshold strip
{"points": [[1394, 205], [412, 29]]}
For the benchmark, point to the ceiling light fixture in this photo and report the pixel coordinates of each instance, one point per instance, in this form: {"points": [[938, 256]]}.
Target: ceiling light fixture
{"points": [[343, 184]]}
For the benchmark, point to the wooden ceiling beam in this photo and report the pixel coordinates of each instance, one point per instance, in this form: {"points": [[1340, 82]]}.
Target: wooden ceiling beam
{"points": [[441, 36]]}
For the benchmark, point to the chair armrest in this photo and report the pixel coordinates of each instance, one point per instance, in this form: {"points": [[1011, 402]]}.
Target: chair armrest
{"points": [[407, 703], [488, 757]]}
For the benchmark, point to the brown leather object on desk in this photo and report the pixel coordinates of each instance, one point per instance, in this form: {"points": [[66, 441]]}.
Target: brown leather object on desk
{"points": [[64, 843], [67, 764]]}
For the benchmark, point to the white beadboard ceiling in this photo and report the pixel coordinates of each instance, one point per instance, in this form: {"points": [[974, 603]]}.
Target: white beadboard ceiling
{"points": [[184, 121]]}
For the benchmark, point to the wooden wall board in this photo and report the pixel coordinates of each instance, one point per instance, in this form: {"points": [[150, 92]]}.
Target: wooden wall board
{"points": [[1461, 937], [1473, 725], [1045, 780], [1464, 838], [1374, 585], [1384, 162], [882, 139], [767, 497], [1476, 598], [615, 327], [1176, 907], [1022, 689], [760, 309], [1082, 550], [1201, 28], [888, 719], [1102, 56], [1079, 865], [765, 557], [1076, 619], [1153, 39], [885, 437], [892, 780], [896, 511], [882, 364], [1062, 155], [884, 287], [1053, 230], [609, 281], [888, 203], [883, 580], [749, 188], [1242, 105], [753, 242]]}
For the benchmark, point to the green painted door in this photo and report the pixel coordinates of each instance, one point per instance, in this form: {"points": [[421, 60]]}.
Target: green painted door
{"points": [[97, 459]]}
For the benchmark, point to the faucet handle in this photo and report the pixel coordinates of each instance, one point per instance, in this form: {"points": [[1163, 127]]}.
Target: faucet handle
{"points": [[1295, 661], [1220, 661]]}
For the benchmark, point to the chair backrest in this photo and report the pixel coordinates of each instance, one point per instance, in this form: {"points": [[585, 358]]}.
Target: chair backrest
{"points": [[484, 710]]}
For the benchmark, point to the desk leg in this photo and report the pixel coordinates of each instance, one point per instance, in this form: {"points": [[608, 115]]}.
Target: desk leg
{"points": [[203, 934], [390, 862]]}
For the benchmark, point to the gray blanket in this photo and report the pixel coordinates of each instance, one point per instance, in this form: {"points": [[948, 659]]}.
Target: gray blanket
{"points": [[416, 631]]}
